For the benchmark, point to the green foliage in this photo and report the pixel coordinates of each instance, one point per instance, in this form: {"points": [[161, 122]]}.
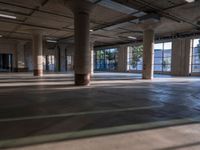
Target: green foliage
{"points": [[166, 62], [110, 55], [136, 55]]}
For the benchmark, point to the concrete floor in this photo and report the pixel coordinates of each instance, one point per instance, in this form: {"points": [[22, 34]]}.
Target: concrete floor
{"points": [[184, 137], [48, 109]]}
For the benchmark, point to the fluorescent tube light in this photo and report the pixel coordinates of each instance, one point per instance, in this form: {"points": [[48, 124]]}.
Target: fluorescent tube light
{"points": [[52, 41], [189, 1], [132, 37], [8, 16]]}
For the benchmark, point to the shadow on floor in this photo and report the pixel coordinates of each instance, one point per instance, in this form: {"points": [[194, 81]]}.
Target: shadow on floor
{"points": [[181, 146], [33, 114]]}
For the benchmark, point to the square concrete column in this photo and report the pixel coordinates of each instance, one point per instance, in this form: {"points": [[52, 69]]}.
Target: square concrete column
{"points": [[181, 59], [149, 23], [122, 58], [37, 53], [148, 54]]}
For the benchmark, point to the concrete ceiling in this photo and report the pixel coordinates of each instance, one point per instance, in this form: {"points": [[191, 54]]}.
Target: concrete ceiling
{"points": [[112, 21]]}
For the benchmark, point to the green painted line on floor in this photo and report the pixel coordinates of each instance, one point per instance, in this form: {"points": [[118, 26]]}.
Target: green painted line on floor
{"points": [[96, 132], [79, 113]]}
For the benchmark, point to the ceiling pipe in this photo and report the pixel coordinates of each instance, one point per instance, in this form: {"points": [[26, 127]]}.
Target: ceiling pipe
{"points": [[163, 13]]}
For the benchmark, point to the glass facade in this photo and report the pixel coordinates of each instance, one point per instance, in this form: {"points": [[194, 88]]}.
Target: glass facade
{"points": [[134, 59], [49, 63], [106, 59], [195, 60], [162, 56]]}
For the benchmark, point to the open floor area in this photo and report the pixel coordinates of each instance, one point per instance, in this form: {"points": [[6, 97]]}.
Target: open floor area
{"points": [[100, 74], [184, 137], [35, 110]]}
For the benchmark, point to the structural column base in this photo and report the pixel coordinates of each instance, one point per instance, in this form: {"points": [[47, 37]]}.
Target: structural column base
{"points": [[38, 72], [82, 79], [147, 78]]}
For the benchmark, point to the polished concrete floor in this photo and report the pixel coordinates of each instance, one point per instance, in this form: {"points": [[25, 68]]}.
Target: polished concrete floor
{"points": [[183, 137], [37, 110]]}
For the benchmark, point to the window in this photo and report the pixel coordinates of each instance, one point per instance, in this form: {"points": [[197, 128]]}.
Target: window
{"points": [[134, 59], [195, 64], [106, 59], [69, 60], [49, 62], [162, 57]]}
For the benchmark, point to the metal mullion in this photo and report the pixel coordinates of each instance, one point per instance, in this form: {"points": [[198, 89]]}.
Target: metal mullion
{"points": [[192, 55]]}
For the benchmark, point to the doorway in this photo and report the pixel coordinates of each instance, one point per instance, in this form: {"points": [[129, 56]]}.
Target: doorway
{"points": [[6, 63]]}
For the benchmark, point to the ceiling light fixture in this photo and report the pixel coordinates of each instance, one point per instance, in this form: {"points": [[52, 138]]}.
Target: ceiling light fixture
{"points": [[132, 37], [189, 1], [8, 16], [91, 30], [1, 36], [52, 41]]}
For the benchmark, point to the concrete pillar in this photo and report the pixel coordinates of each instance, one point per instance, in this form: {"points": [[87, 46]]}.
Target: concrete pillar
{"points": [[181, 57], [82, 58], [37, 53], [148, 54], [20, 60], [122, 58]]}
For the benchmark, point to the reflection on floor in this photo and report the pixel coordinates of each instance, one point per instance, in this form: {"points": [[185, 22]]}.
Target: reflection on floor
{"points": [[51, 108]]}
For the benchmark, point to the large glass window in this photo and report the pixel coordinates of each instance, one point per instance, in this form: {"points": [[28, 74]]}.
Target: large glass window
{"points": [[49, 62], [135, 60], [162, 56], [195, 63], [106, 59]]}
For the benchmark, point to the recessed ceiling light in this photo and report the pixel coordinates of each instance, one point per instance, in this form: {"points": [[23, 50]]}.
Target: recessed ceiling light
{"points": [[132, 37], [91, 30], [1, 36], [8, 16], [52, 41], [189, 1]]}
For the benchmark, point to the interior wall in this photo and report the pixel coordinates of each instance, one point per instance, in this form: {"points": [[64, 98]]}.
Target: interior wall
{"points": [[28, 56], [20, 57], [9, 47]]}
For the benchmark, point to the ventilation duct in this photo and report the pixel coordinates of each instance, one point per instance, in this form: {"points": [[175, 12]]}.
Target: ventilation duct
{"points": [[117, 7], [150, 17]]}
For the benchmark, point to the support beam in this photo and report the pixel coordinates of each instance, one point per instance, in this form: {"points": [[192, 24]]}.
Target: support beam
{"points": [[37, 53], [148, 54], [82, 58], [181, 59], [148, 25]]}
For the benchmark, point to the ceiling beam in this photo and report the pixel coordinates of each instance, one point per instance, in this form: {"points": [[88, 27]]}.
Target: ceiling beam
{"points": [[26, 18], [30, 8], [31, 25], [159, 11]]}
